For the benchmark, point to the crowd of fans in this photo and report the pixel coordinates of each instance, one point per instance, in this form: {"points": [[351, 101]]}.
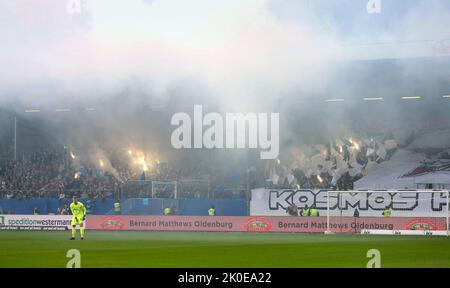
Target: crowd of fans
{"points": [[50, 173], [334, 166], [56, 174], [25, 177]]}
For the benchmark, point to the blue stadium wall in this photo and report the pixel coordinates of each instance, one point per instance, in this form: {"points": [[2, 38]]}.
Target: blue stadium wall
{"points": [[147, 206]]}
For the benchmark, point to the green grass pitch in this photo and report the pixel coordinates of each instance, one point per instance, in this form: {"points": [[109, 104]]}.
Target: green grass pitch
{"points": [[233, 250]]}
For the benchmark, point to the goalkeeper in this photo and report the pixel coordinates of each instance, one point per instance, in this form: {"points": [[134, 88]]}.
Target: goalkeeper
{"points": [[79, 215]]}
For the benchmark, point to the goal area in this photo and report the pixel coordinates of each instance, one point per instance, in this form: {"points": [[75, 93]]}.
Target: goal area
{"points": [[388, 212], [164, 189]]}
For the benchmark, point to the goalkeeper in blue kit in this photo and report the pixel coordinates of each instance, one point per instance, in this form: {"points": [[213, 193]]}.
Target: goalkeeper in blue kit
{"points": [[79, 215]]}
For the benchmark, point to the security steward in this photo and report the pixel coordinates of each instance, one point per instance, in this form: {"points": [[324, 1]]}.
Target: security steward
{"points": [[313, 212], [117, 208], [305, 212], [166, 211], [212, 211], [387, 212]]}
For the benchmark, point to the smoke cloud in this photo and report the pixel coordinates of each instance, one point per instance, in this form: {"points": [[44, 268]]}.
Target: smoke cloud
{"points": [[138, 62]]}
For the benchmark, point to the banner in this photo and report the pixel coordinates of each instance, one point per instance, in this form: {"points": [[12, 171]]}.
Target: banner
{"points": [[35, 222], [266, 202], [260, 224], [222, 223]]}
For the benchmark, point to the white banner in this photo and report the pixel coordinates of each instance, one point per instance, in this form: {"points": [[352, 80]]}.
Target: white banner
{"points": [[267, 202], [35, 222]]}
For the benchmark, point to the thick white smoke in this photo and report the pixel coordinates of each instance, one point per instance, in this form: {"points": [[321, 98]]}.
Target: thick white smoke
{"points": [[244, 55], [242, 50]]}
